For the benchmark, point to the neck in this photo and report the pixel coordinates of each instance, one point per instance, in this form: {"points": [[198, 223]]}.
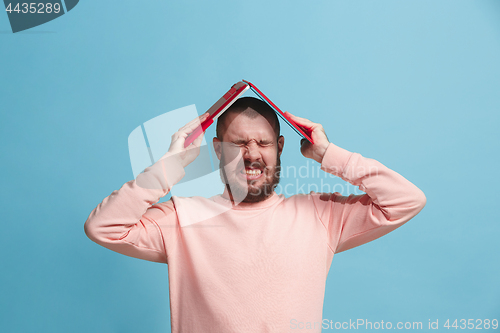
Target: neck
{"points": [[248, 199]]}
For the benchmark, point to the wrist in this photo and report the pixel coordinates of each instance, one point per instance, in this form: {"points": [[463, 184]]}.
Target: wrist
{"points": [[335, 160], [321, 151]]}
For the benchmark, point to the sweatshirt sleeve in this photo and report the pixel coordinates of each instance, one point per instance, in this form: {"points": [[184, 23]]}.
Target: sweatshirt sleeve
{"points": [[389, 202], [127, 220]]}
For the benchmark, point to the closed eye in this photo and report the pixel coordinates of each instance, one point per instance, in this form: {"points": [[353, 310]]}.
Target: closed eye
{"points": [[238, 143], [265, 143], [262, 143]]}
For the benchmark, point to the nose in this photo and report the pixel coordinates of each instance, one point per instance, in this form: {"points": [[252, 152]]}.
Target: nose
{"points": [[251, 152]]}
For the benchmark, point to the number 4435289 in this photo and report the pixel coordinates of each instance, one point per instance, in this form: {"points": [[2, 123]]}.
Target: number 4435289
{"points": [[34, 8], [472, 324]]}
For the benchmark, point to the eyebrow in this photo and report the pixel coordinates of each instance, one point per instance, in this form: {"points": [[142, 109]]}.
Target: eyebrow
{"points": [[262, 141]]}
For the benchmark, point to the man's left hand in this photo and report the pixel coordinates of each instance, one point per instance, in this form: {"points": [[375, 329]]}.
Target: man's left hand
{"points": [[317, 150]]}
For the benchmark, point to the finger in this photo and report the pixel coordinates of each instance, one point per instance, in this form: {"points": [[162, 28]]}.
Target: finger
{"points": [[302, 143], [189, 136], [196, 127], [307, 124], [305, 145], [193, 129], [197, 142], [195, 122], [301, 121]]}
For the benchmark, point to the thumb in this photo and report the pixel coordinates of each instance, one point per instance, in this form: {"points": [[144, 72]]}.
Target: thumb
{"points": [[197, 142], [304, 147]]}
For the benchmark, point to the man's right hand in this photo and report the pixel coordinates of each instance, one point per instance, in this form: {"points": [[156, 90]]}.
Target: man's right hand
{"points": [[188, 154]]}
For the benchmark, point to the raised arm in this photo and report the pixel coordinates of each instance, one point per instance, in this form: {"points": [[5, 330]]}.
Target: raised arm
{"points": [[389, 202], [128, 221]]}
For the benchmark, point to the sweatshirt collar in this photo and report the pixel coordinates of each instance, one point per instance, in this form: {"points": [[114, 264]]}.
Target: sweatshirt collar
{"points": [[221, 199]]}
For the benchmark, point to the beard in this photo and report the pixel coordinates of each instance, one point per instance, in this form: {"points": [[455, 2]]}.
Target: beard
{"points": [[251, 192]]}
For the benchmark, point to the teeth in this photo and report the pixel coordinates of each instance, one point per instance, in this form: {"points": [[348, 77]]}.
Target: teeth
{"points": [[253, 172]]}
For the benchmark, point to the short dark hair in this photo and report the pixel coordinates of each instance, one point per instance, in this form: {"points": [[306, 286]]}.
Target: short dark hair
{"points": [[241, 106]]}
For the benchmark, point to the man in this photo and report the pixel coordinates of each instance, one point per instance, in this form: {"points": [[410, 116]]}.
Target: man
{"points": [[250, 260]]}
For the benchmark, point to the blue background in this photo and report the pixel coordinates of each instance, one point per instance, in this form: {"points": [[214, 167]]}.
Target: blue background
{"points": [[413, 84]]}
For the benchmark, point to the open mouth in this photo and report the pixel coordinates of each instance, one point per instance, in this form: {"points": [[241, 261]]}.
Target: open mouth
{"points": [[252, 173]]}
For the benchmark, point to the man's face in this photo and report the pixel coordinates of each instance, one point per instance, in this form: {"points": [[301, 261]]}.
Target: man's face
{"points": [[249, 157]]}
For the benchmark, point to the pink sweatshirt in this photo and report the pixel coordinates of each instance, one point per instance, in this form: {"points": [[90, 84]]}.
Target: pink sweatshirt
{"points": [[259, 267]]}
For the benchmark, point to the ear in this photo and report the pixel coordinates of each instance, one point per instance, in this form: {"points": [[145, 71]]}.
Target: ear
{"points": [[217, 147], [281, 144]]}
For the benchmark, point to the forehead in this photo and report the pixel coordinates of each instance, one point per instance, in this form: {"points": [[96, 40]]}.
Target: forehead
{"points": [[242, 127]]}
